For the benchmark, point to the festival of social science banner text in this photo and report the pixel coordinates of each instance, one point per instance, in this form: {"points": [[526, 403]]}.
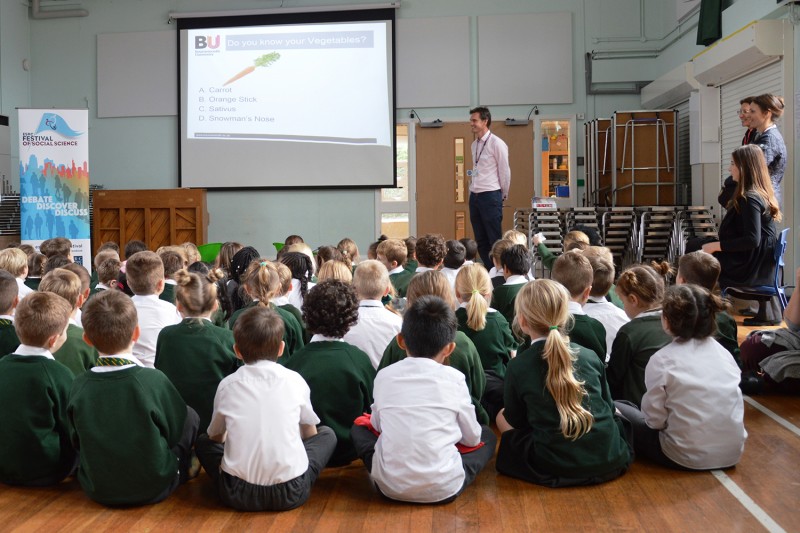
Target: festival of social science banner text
{"points": [[54, 178]]}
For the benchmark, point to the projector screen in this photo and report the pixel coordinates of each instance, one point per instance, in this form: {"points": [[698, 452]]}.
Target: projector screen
{"points": [[287, 101]]}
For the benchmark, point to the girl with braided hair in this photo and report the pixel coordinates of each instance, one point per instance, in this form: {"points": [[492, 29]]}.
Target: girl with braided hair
{"points": [[302, 268]]}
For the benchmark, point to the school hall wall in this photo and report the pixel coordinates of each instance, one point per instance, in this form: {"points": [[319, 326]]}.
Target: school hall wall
{"points": [[142, 152]]}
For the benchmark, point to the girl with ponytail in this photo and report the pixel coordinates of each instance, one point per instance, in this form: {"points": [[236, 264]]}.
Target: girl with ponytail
{"points": [[692, 413], [195, 354], [488, 330], [262, 284], [558, 425]]}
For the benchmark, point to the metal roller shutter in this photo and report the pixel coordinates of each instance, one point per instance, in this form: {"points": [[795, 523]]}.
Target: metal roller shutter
{"points": [[684, 168], [768, 79]]}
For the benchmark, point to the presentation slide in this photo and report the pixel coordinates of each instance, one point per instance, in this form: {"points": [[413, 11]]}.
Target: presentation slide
{"points": [[290, 105]]}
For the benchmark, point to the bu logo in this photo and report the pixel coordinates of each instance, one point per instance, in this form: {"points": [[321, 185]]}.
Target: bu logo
{"points": [[212, 41]]}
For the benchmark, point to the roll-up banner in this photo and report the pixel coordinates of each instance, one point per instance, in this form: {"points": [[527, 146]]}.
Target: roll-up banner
{"points": [[54, 178]]}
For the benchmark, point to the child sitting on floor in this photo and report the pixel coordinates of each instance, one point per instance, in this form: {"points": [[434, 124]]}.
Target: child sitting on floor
{"points": [[574, 272], [14, 261], [74, 354], [132, 429], [692, 413], [145, 277], [431, 249], [195, 354], [392, 253], [516, 264], [465, 357], [597, 305], [641, 288], [488, 329], [422, 410], [558, 425], [9, 298], [34, 388], [339, 374], [263, 450]]}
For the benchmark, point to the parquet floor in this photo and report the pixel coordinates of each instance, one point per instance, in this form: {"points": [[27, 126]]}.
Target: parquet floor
{"points": [[761, 493]]}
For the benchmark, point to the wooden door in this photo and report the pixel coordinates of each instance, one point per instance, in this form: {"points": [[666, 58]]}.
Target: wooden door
{"points": [[442, 184]]}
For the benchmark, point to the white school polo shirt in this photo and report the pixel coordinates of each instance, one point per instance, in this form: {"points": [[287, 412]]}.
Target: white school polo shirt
{"points": [[375, 329], [154, 315]]}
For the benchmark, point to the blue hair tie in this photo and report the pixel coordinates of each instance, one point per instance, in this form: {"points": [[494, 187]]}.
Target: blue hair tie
{"points": [[263, 263]]}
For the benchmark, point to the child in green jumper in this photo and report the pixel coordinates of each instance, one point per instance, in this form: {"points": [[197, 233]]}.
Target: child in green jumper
{"points": [[488, 330], [130, 425], [516, 263], [558, 425], [9, 298], [574, 271], [33, 392], [75, 354], [195, 354]]}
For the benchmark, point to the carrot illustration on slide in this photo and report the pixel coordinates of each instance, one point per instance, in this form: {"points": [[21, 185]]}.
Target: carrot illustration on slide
{"points": [[263, 61]]}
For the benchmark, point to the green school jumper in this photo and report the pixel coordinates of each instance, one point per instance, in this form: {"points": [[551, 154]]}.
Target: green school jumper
{"points": [[33, 421], [548, 257], [613, 297], [124, 424], [196, 355], [493, 342], [529, 406], [75, 354], [589, 333], [400, 282], [168, 294], [340, 377], [93, 281], [411, 265], [727, 335], [633, 346], [503, 299], [33, 283], [299, 317], [292, 333], [465, 359], [9, 342]]}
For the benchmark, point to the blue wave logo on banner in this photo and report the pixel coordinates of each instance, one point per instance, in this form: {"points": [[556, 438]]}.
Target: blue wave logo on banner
{"points": [[54, 122]]}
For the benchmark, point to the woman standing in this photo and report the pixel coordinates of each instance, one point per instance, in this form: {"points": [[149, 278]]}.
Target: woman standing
{"points": [[764, 110], [747, 235]]}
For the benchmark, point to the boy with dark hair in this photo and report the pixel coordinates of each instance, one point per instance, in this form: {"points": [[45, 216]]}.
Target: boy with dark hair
{"points": [[9, 298], [453, 261], [134, 246], [471, 249], [291, 449], [130, 425], [422, 411], [74, 354], [55, 261], [574, 271], [172, 263], [145, 278], [33, 392], [393, 254], [107, 275], [515, 262], [597, 305], [339, 374], [431, 250], [102, 255], [700, 268]]}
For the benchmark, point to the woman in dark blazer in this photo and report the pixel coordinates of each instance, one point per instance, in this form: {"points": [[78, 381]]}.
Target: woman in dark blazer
{"points": [[747, 235], [764, 110]]}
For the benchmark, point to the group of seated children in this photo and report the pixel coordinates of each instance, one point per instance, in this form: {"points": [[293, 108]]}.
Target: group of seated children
{"points": [[280, 368]]}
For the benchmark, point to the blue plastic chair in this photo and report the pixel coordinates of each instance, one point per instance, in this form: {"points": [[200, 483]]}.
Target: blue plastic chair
{"points": [[765, 292]]}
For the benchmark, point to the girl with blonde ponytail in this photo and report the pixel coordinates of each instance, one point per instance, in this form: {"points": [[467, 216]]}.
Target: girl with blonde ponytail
{"points": [[558, 425], [487, 329], [195, 354]]}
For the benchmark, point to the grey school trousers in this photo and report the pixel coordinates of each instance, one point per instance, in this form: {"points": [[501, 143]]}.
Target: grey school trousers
{"points": [[239, 494]]}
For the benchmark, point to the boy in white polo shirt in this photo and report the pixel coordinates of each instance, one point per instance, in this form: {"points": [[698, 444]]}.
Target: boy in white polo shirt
{"points": [[422, 411], [263, 450], [376, 326]]}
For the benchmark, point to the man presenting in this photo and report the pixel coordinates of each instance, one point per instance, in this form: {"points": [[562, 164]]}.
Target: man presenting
{"points": [[489, 184]]}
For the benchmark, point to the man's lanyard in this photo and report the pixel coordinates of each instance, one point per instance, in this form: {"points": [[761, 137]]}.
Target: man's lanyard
{"points": [[478, 156]]}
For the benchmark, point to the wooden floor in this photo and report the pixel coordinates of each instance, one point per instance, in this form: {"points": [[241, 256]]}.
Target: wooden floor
{"points": [[761, 493]]}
